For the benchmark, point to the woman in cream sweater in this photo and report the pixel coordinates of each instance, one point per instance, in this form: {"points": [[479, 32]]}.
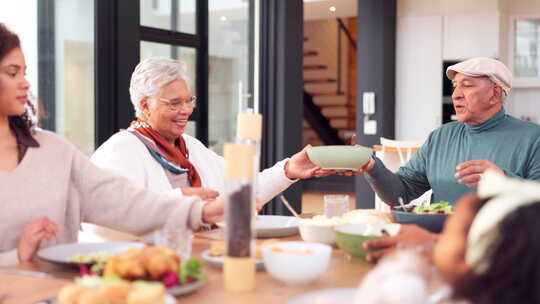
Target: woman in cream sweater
{"points": [[155, 153], [47, 187]]}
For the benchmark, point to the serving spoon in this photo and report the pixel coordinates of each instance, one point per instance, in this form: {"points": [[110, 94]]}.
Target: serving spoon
{"points": [[286, 203]]}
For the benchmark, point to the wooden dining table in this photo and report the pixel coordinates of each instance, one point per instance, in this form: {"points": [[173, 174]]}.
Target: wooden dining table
{"points": [[342, 273]]}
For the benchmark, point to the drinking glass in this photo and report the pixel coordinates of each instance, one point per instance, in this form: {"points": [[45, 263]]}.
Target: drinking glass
{"points": [[178, 239], [335, 205]]}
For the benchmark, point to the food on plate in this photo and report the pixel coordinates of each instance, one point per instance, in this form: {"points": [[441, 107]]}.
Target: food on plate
{"points": [[442, 207], [154, 264], [322, 220], [217, 249], [71, 293], [368, 216], [358, 216], [91, 258], [149, 263], [96, 290], [146, 293], [292, 252]]}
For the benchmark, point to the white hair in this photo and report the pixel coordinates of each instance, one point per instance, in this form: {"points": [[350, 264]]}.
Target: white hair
{"points": [[150, 75]]}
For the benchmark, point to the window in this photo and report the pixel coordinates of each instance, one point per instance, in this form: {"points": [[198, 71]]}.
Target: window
{"points": [[231, 75], [59, 50], [525, 50]]}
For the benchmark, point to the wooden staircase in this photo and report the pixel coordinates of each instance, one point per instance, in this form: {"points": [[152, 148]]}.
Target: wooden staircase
{"points": [[333, 106], [337, 106]]}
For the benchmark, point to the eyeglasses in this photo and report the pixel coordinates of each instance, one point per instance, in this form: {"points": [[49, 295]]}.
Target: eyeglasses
{"points": [[176, 105]]}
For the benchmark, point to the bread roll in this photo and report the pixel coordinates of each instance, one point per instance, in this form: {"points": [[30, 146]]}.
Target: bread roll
{"points": [[115, 292], [149, 294], [370, 216], [70, 294], [92, 297]]}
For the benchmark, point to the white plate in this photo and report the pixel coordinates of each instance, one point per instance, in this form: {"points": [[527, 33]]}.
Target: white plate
{"points": [[168, 300], [185, 289], [268, 226], [218, 261], [64, 253], [326, 296]]}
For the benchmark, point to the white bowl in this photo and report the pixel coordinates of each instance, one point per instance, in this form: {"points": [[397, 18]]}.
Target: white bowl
{"points": [[311, 232], [296, 262]]}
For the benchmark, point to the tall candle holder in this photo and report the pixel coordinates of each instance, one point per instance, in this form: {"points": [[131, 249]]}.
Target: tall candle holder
{"points": [[239, 263]]}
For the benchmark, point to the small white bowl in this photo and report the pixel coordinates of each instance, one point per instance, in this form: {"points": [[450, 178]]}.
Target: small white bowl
{"points": [[296, 262], [312, 232]]}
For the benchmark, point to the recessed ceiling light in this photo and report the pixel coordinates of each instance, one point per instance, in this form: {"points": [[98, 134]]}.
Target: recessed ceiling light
{"points": [[223, 18], [332, 9]]}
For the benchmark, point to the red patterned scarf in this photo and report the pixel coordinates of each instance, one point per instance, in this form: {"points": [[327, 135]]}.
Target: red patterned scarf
{"points": [[177, 154]]}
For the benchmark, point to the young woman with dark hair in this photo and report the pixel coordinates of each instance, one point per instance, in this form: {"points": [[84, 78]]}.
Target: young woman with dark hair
{"points": [[47, 187]]}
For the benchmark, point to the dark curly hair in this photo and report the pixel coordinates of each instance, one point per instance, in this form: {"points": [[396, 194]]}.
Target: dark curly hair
{"points": [[514, 273], [25, 122]]}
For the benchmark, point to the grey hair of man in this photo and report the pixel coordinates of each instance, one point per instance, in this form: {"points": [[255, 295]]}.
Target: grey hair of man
{"points": [[151, 75], [503, 94]]}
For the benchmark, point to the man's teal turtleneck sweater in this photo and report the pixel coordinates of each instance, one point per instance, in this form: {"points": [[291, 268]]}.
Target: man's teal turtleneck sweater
{"points": [[511, 144]]}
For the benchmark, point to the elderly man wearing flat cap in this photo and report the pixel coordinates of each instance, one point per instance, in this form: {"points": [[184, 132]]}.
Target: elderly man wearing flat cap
{"points": [[453, 157]]}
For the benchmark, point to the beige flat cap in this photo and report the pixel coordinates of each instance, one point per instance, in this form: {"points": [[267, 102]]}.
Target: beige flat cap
{"points": [[483, 66]]}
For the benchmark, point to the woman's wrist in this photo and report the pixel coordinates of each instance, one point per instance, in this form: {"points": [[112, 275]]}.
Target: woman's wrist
{"points": [[288, 173]]}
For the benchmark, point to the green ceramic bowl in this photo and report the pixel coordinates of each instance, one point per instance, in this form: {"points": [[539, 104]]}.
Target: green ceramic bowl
{"points": [[350, 237], [339, 157]]}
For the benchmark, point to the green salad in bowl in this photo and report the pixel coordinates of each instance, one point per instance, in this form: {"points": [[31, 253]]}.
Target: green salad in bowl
{"points": [[431, 217], [442, 207]]}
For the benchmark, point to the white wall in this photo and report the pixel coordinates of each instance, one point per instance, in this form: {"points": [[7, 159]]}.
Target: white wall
{"points": [[418, 92]]}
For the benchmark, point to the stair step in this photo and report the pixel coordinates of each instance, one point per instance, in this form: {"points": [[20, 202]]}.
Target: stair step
{"points": [[328, 100], [317, 142], [346, 134], [326, 93], [319, 80], [311, 53], [335, 112], [339, 123], [310, 134], [315, 67]]}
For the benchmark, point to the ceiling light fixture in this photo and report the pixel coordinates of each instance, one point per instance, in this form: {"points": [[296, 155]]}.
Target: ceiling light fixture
{"points": [[332, 9], [223, 18]]}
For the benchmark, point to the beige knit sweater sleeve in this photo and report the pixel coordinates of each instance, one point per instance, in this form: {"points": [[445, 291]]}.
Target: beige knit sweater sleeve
{"points": [[111, 200]]}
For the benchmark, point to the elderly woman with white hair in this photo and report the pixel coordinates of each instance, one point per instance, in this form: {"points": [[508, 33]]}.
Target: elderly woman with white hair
{"points": [[155, 153]]}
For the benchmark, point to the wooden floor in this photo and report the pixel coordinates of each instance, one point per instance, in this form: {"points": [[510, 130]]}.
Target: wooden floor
{"points": [[313, 201]]}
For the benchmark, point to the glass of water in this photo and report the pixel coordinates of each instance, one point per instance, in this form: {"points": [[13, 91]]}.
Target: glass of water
{"points": [[335, 205], [178, 239]]}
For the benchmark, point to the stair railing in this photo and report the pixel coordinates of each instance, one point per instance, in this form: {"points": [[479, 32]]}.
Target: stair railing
{"points": [[342, 29], [319, 123]]}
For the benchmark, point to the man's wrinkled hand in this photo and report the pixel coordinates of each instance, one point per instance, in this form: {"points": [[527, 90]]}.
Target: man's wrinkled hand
{"points": [[409, 235], [468, 173]]}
